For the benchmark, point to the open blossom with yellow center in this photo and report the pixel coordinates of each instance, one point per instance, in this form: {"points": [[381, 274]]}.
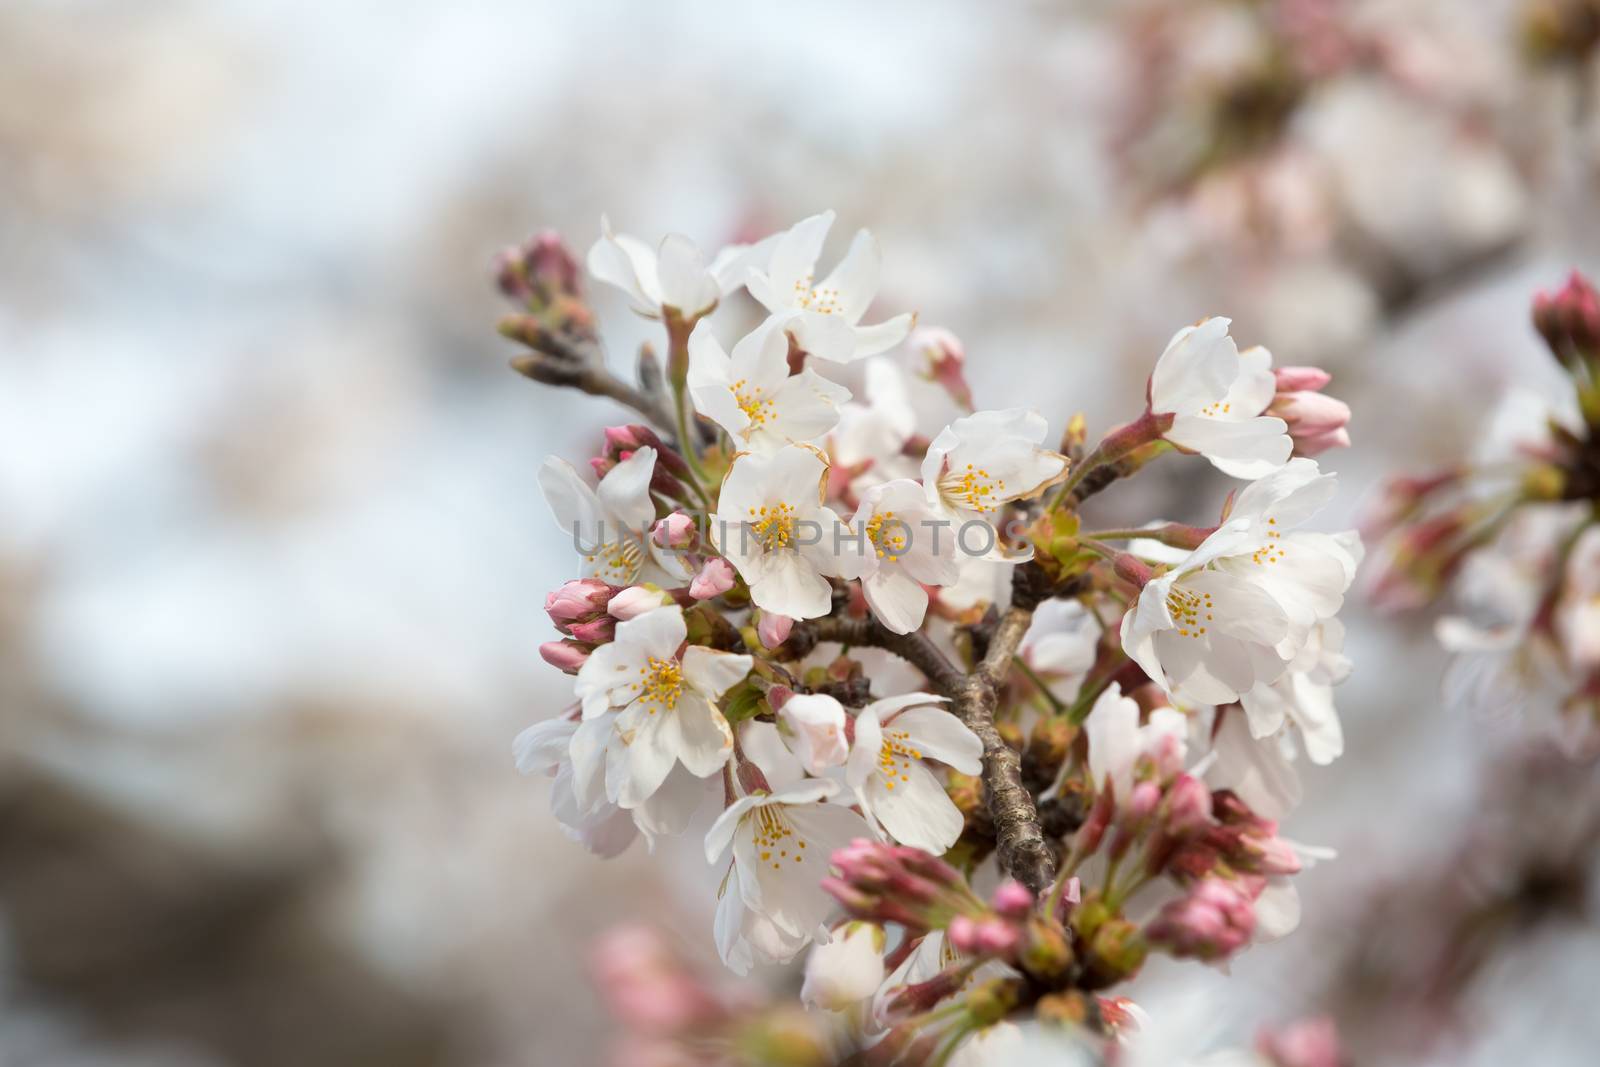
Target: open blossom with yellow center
{"points": [[889, 536], [825, 318], [757, 407], [988, 459], [660, 683], [751, 393], [973, 488], [772, 526], [906, 546], [889, 773], [674, 274], [1234, 615], [609, 524], [781, 841], [664, 703], [1217, 398], [1190, 611]]}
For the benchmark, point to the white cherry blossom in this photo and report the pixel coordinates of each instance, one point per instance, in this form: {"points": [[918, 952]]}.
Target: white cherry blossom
{"points": [[887, 773], [1216, 395], [772, 526], [824, 318], [610, 524], [666, 703], [781, 843], [987, 459], [814, 730], [673, 275], [846, 969], [752, 395], [1303, 695], [1117, 739], [546, 748], [903, 544], [1238, 610]]}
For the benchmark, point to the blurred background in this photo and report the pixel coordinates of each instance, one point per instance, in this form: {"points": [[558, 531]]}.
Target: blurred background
{"points": [[272, 554]]}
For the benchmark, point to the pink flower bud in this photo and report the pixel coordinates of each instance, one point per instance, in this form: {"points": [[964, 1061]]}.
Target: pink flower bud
{"points": [[596, 631], [996, 937], [1142, 802], [1316, 422], [1301, 379], [1212, 922], [623, 441], [895, 883], [714, 579], [963, 935], [1569, 318], [579, 600], [1308, 1043], [1310, 414], [1012, 899], [566, 655], [946, 362], [646, 987], [633, 602], [539, 271], [773, 630], [677, 531], [1316, 444], [1188, 807]]}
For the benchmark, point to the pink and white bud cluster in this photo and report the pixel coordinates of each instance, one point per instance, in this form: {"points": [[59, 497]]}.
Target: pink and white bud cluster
{"points": [[587, 610], [1316, 421], [1212, 921], [539, 271], [1568, 318], [670, 471], [1236, 841], [899, 884]]}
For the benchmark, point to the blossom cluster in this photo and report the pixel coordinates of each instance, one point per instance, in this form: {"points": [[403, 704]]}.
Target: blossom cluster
{"points": [[878, 664], [1513, 534]]}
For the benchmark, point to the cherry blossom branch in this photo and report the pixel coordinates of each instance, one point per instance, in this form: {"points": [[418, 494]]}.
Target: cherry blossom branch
{"points": [[1023, 850], [587, 374], [1021, 847], [915, 648]]}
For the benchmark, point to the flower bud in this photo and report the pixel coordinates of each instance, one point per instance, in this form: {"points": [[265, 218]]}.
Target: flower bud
{"points": [[635, 601], [539, 271], [1187, 809], [1316, 422], [676, 532], [946, 363], [595, 631], [623, 441], [579, 600], [1307, 1043], [846, 970], [1569, 318], [1115, 953], [715, 578], [1213, 921], [646, 987], [896, 883], [816, 730], [1012, 899], [773, 630], [565, 655], [1046, 951]]}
